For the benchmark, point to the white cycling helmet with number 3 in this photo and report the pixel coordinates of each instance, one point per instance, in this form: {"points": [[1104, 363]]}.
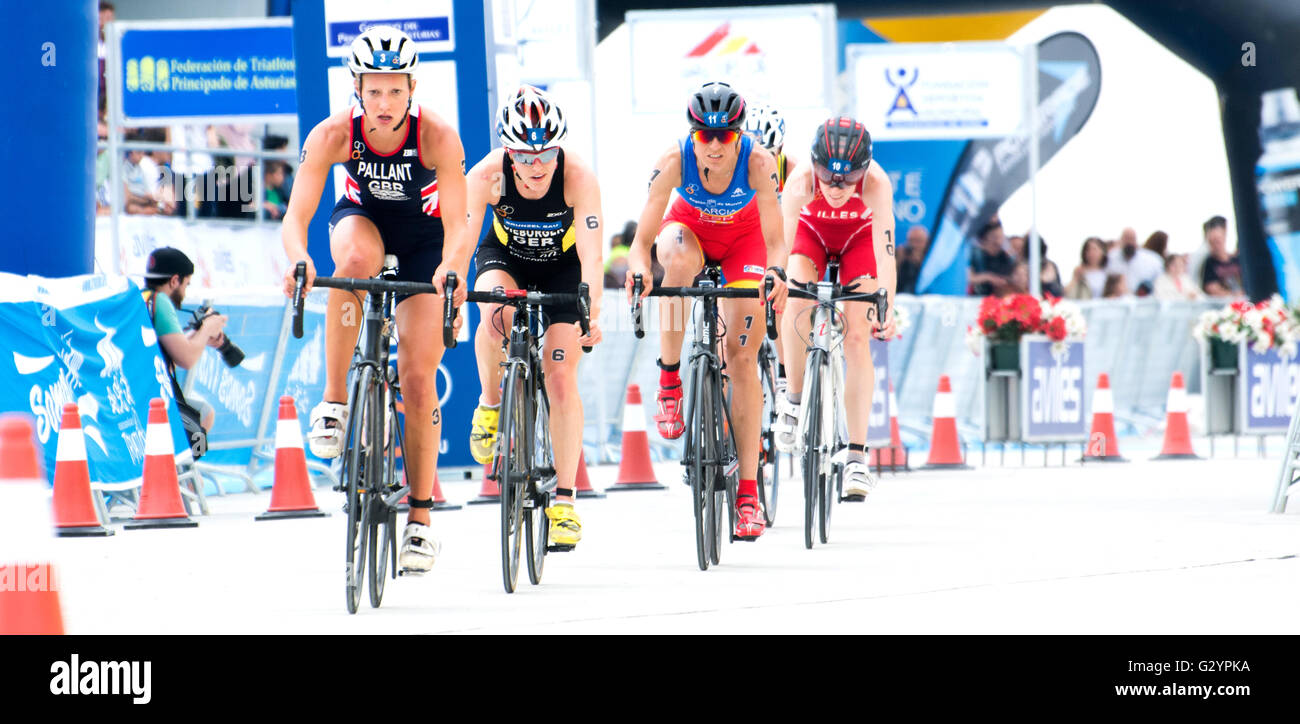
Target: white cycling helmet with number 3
{"points": [[530, 121], [382, 49]]}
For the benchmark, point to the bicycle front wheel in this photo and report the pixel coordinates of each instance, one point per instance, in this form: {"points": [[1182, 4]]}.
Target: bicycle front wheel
{"points": [[511, 472], [355, 477], [699, 451], [769, 466], [813, 443]]}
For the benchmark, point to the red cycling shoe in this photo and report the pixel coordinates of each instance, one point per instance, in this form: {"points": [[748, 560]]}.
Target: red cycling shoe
{"points": [[669, 420], [749, 518]]}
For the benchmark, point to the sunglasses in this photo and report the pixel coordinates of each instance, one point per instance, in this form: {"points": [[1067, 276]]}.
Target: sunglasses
{"points": [[837, 180], [528, 157], [724, 136]]}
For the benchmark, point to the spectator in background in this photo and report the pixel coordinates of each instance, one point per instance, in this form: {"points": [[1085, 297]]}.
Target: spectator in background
{"points": [[193, 167], [274, 202], [1159, 243], [167, 277], [990, 264], [1140, 267], [1049, 276], [1116, 287], [1018, 247], [1018, 280], [616, 259], [1089, 278], [1175, 283], [1221, 275], [142, 181], [107, 14], [281, 143], [911, 257]]}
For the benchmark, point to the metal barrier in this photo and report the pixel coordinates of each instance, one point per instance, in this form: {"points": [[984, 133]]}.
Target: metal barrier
{"points": [[1138, 342]]}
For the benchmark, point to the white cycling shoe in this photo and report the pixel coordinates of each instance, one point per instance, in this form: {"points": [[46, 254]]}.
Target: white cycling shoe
{"points": [[419, 550], [858, 481], [329, 422], [786, 425]]}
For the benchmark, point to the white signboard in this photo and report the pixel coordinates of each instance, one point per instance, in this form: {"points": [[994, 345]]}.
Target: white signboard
{"points": [[937, 90], [428, 22], [779, 54]]}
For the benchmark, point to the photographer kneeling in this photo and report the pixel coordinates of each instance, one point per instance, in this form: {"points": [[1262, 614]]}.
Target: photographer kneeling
{"points": [[167, 276]]}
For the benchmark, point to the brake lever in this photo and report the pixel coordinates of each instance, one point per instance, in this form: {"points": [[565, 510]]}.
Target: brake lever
{"points": [[638, 286], [299, 281], [584, 312], [449, 311]]}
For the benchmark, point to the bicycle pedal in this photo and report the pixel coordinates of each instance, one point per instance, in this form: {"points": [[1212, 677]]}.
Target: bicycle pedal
{"points": [[410, 572], [556, 548], [853, 498]]}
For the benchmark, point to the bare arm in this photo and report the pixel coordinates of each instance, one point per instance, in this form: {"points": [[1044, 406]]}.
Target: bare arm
{"points": [[666, 176], [763, 179], [187, 349], [443, 151], [483, 189], [798, 193], [879, 197], [325, 146], [581, 189]]}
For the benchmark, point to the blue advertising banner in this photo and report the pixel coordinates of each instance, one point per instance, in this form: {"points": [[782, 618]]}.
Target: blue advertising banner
{"points": [[1051, 391], [878, 427], [198, 70], [88, 340], [1268, 387]]}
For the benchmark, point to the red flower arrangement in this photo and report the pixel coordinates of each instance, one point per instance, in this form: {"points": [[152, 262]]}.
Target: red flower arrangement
{"points": [[1007, 319]]}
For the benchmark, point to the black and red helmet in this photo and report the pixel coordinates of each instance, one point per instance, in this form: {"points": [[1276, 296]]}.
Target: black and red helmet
{"points": [[716, 105], [841, 151]]}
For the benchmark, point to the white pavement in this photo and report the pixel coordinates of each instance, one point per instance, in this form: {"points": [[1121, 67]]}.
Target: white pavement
{"points": [[1144, 547]]}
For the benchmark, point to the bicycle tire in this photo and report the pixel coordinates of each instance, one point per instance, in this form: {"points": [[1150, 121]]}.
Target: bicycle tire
{"points": [[812, 450], [379, 516], [354, 480], [536, 524], [769, 479], [512, 470], [697, 469]]}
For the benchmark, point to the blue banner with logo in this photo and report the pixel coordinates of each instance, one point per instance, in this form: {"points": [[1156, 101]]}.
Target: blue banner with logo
{"points": [[1268, 387], [88, 340], [1051, 390], [878, 426], [173, 72]]}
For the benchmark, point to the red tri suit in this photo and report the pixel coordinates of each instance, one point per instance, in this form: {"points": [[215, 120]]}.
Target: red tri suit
{"points": [[845, 232]]}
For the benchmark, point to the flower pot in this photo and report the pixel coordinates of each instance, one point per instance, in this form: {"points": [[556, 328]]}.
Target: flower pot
{"points": [[1004, 355], [1223, 355]]}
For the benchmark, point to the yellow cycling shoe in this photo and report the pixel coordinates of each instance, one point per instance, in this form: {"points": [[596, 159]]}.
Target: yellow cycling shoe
{"points": [[566, 525], [483, 434]]}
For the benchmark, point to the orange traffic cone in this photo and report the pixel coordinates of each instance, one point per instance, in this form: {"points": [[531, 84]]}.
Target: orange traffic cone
{"points": [[945, 445], [439, 502], [291, 495], [1103, 444], [635, 471], [74, 505], [29, 591], [582, 484], [1178, 436], [894, 455], [489, 492], [160, 493]]}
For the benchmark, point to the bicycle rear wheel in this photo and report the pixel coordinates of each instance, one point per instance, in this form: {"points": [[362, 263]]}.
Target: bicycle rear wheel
{"points": [[354, 476], [812, 463], [536, 524], [511, 472], [379, 516]]}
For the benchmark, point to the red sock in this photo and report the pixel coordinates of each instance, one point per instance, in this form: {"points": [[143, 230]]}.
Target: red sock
{"points": [[670, 379], [747, 487]]}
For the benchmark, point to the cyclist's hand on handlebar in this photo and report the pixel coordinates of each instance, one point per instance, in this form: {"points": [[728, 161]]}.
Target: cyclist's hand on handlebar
{"points": [[440, 281], [290, 282], [641, 267], [594, 337], [780, 291], [888, 330]]}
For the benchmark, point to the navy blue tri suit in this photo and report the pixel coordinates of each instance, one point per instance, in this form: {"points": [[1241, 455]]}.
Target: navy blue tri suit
{"points": [[532, 240], [399, 195]]}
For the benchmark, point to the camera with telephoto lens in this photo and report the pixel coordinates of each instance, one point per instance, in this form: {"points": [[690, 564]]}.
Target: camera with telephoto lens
{"points": [[230, 352]]}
